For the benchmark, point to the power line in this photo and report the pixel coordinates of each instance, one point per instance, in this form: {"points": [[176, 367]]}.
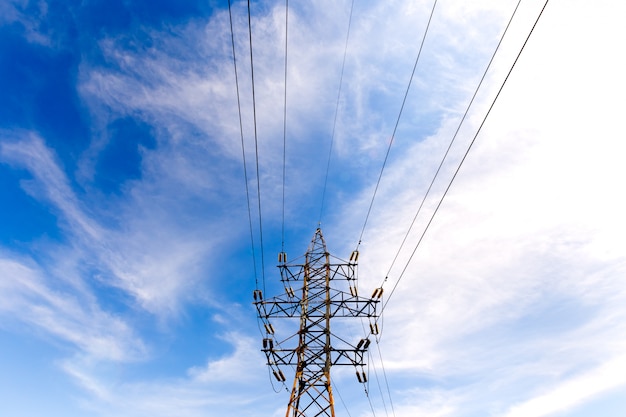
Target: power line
{"points": [[445, 156], [285, 122], [332, 137], [243, 148], [465, 155], [336, 390], [382, 365], [427, 193], [380, 390], [369, 400], [419, 53], [256, 148]]}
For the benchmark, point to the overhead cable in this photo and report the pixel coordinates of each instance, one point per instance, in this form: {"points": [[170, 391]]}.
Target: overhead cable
{"points": [[380, 389], [336, 391], [369, 400], [419, 53], [445, 156], [256, 148], [285, 123], [332, 136], [382, 365], [243, 148], [465, 155]]}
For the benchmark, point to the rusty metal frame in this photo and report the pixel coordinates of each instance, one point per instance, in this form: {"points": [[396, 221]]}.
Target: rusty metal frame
{"points": [[317, 300]]}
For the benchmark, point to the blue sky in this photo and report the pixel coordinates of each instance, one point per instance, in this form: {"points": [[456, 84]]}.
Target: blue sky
{"points": [[126, 272]]}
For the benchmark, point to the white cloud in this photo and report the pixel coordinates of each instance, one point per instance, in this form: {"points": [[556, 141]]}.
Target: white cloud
{"points": [[33, 297], [514, 302], [519, 282], [13, 11], [29, 150], [229, 384], [574, 391], [144, 257], [234, 367]]}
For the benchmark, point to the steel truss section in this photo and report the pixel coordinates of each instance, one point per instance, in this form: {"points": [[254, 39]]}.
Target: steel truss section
{"points": [[315, 293]]}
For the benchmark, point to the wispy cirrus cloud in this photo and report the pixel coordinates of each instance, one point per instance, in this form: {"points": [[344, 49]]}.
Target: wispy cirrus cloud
{"points": [[61, 290], [41, 302], [224, 384], [129, 256], [514, 301], [575, 391], [29, 16]]}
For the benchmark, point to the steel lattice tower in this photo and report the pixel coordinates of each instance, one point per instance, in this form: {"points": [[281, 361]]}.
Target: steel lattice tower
{"points": [[314, 293]]}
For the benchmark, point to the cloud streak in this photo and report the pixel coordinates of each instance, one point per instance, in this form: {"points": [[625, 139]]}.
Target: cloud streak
{"points": [[514, 302]]}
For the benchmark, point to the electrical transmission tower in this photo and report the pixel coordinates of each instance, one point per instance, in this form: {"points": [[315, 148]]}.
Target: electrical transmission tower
{"points": [[314, 294]]}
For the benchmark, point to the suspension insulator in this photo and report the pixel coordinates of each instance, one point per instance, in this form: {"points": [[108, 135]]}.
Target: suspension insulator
{"points": [[278, 374], [269, 328], [374, 328], [361, 376], [268, 344], [258, 295], [290, 292]]}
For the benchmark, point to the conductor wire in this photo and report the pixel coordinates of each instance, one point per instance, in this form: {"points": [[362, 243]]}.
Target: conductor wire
{"points": [[369, 210], [332, 137], [465, 155], [445, 156], [256, 148], [243, 148], [285, 122]]}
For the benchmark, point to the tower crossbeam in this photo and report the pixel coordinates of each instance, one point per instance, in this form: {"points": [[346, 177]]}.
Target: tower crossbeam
{"points": [[324, 290]]}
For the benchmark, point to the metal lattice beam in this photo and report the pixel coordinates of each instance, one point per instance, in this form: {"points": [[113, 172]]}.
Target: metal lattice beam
{"points": [[324, 290]]}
